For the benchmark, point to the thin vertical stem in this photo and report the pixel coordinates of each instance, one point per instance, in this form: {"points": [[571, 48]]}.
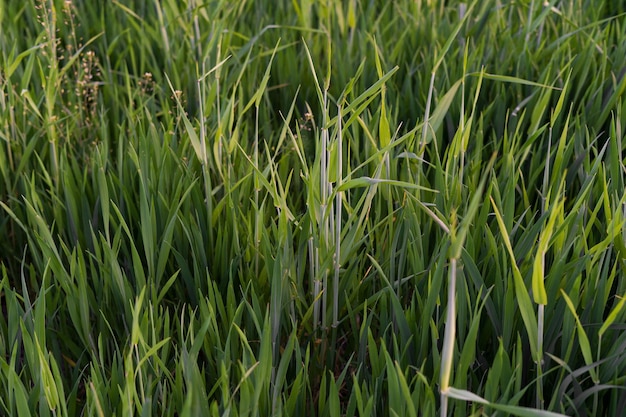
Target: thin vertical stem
{"points": [[218, 74], [540, 354], [316, 282], [257, 226], [427, 112], [448, 339], [325, 220], [205, 165], [338, 208], [530, 20]]}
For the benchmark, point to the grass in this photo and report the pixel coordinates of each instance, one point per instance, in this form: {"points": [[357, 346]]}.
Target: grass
{"points": [[312, 208]]}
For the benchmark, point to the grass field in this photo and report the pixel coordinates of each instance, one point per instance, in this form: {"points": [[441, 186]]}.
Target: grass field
{"points": [[298, 207]]}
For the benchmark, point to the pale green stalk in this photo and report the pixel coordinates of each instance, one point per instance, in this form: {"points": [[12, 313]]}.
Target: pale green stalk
{"points": [[338, 209], [49, 20], [447, 349], [257, 216], [325, 205]]}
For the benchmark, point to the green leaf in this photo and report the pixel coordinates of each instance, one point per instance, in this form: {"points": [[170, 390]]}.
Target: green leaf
{"points": [[458, 236], [372, 91], [368, 181], [583, 340], [511, 79], [464, 395], [612, 316], [198, 147], [352, 14], [538, 286], [559, 104], [47, 379], [435, 120], [523, 299], [452, 37]]}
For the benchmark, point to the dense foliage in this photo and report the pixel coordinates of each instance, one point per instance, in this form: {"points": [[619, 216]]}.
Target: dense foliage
{"points": [[302, 207]]}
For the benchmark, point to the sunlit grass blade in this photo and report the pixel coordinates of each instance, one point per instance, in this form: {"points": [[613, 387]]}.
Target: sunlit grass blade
{"points": [[583, 340], [521, 292], [509, 409]]}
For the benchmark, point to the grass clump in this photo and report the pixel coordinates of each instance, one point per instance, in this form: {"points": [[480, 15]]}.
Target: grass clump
{"points": [[312, 208]]}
